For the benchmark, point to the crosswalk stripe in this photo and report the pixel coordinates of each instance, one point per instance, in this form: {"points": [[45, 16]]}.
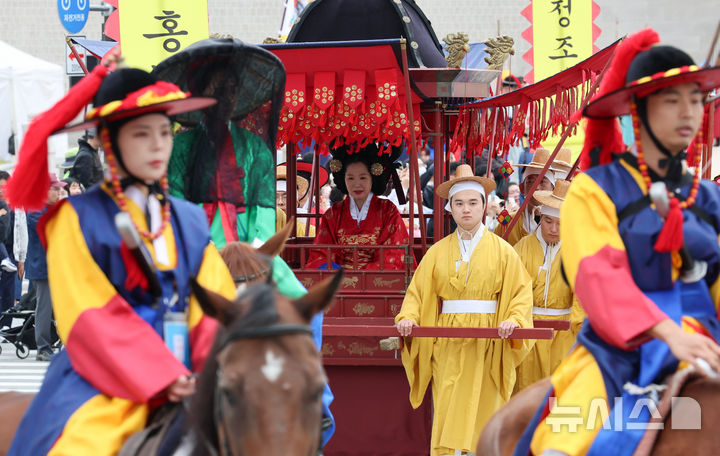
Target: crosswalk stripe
{"points": [[16, 374]]}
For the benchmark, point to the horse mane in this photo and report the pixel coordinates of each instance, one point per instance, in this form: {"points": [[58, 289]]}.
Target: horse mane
{"points": [[244, 263], [202, 409], [262, 312]]}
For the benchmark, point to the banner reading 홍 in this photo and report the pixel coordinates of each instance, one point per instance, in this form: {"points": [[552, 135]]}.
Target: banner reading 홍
{"points": [[152, 30]]}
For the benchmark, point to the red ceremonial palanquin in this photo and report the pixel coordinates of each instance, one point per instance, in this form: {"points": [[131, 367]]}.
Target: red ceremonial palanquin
{"points": [[382, 226]]}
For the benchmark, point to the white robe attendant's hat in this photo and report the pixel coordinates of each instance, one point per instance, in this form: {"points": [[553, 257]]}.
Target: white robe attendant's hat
{"points": [[559, 168], [464, 173], [552, 200]]}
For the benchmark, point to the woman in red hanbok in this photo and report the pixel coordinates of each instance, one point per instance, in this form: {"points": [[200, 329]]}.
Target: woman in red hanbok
{"points": [[361, 219]]}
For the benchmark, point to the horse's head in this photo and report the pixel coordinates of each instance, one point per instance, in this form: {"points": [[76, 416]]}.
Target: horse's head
{"points": [[261, 389]]}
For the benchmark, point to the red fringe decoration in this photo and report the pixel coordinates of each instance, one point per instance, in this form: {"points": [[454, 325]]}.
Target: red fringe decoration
{"points": [[28, 187], [671, 235], [536, 118], [605, 133]]}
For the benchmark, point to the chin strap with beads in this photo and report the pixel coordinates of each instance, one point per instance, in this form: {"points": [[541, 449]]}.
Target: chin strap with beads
{"points": [[671, 235], [117, 189]]}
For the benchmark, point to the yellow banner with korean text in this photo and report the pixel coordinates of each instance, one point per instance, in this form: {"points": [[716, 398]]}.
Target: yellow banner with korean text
{"points": [[563, 35], [153, 30]]}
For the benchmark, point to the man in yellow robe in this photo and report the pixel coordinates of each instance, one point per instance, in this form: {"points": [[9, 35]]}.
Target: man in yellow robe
{"points": [[552, 297], [527, 224], [479, 281]]}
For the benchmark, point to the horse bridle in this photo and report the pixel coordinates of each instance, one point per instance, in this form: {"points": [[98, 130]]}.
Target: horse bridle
{"points": [[251, 277], [260, 332]]}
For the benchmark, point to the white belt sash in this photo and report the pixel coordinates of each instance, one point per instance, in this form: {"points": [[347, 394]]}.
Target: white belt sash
{"points": [[469, 306], [549, 311]]}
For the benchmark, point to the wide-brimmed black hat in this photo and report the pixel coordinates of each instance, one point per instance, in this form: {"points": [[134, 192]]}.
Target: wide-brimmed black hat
{"points": [[234, 72]]}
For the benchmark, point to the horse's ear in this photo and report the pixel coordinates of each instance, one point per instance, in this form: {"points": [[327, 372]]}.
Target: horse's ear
{"points": [[214, 304], [320, 297], [273, 246]]}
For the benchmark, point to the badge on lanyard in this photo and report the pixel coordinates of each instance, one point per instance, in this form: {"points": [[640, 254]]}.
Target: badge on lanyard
{"points": [[177, 338]]}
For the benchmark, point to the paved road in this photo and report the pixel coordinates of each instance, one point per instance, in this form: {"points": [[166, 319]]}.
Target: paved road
{"points": [[20, 374]]}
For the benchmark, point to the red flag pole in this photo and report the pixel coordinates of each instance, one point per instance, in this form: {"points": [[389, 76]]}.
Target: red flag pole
{"points": [[68, 40], [414, 170], [564, 136]]}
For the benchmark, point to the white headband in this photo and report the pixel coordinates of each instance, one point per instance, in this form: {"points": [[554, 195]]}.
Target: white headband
{"points": [[560, 175], [464, 185], [532, 171], [281, 186], [551, 211]]}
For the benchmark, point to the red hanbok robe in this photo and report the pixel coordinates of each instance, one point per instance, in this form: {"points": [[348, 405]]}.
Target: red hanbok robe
{"points": [[382, 226]]}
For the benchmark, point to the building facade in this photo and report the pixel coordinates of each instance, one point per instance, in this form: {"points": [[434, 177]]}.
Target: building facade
{"points": [[33, 25]]}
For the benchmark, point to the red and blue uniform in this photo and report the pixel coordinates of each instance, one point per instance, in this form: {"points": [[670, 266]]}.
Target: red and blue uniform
{"points": [[99, 390], [626, 287]]}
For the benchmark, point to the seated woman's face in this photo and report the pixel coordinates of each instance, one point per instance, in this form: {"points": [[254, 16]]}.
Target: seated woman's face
{"points": [[358, 181], [145, 144]]}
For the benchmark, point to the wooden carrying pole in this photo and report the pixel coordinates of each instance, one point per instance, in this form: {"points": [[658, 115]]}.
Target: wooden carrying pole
{"points": [[434, 331], [438, 168], [313, 191], [291, 183], [564, 136]]}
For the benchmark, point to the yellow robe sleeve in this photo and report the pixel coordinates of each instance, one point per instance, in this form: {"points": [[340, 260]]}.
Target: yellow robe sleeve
{"points": [[577, 316], [715, 290], [420, 305], [515, 303]]}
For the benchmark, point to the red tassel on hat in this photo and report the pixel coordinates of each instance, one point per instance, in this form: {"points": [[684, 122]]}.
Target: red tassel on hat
{"points": [[671, 235], [28, 187], [605, 133]]}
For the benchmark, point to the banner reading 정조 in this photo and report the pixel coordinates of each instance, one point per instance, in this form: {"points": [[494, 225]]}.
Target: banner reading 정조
{"points": [[153, 30], [563, 34]]}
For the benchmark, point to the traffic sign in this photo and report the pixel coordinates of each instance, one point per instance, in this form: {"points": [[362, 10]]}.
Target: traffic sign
{"points": [[73, 14], [72, 66]]}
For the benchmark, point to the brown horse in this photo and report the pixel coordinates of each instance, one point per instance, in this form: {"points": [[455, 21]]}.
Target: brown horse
{"points": [[12, 409], [261, 389], [246, 264], [505, 428]]}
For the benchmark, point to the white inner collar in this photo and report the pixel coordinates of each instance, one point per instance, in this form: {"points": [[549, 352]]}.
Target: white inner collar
{"points": [[155, 211], [529, 223], [467, 246], [549, 252], [360, 214]]}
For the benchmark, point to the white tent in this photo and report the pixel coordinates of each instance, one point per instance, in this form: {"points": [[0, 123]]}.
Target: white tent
{"points": [[28, 86]]}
